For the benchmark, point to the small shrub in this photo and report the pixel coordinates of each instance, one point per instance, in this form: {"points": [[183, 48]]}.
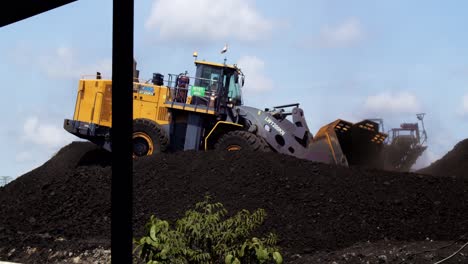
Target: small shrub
{"points": [[205, 235]]}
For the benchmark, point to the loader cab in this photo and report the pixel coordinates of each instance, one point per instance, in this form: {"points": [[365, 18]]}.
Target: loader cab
{"points": [[214, 90], [222, 80]]}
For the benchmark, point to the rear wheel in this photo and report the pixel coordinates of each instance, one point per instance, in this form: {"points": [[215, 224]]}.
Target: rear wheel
{"points": [[241, 140], [148, 138]]}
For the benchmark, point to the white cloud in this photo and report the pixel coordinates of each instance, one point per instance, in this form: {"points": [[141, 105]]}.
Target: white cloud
{"points": [[347, 33], [63, 63], [44, 134], [207, 20], [255, 79], [392, 103]]}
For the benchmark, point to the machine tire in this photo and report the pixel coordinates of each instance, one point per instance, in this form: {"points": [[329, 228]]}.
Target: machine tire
{"points": [[148, 138], [241, 140]]}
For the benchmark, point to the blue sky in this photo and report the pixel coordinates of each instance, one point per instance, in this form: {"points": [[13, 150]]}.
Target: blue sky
{"points": [[338, 59]]}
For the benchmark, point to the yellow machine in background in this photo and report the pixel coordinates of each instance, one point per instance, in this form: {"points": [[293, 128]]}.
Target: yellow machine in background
{"points": [[160, 110], [206, 112]]}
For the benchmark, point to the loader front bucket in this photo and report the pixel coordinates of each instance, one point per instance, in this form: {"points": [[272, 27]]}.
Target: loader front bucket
{"points": [[353, 144]]}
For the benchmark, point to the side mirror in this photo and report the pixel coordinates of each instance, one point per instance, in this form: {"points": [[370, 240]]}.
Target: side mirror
{"points": [[243, 81]]}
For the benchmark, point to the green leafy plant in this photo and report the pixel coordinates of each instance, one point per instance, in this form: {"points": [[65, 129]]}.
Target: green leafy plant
{"points": [[206, 235]]}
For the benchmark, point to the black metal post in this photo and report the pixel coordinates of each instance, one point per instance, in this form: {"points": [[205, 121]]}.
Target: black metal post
{"points": [[122, 115]]}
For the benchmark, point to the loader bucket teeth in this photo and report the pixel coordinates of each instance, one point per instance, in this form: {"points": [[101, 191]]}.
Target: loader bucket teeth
{"points": [[358, 144]]}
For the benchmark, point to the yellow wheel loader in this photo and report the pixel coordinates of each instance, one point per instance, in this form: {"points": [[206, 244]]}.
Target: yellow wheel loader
{"points": [[205, 112]]}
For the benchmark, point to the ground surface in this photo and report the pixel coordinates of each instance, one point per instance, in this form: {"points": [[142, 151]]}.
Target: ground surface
{"points": [[60, 212]]}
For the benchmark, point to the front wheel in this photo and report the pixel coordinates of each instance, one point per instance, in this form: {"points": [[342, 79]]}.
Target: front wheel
{"points": [[241, 140], [148, 138]]}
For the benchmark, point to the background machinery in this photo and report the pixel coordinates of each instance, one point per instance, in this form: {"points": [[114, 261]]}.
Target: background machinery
{"points": [[206, 112], [404, 145]]}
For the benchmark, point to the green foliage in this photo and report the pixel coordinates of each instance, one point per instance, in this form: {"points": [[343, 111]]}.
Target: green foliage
{"points": [[206, 235]]}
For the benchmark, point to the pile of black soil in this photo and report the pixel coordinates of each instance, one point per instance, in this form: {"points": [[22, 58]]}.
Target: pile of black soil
{"points": [[59, 198], [453, 164], [311, 206]]}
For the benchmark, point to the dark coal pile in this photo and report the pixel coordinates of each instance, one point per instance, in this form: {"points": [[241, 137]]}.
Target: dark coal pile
{"points": [[311, 206], [60, 198], [453, 164]]}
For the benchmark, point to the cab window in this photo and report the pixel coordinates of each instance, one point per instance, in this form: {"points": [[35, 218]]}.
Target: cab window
{"points": [[234, 89], [209, 77]]}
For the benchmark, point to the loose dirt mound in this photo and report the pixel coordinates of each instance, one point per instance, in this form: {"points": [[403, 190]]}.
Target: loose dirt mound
{"points": [[311, 206], [58, 198], [453, 164]]}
